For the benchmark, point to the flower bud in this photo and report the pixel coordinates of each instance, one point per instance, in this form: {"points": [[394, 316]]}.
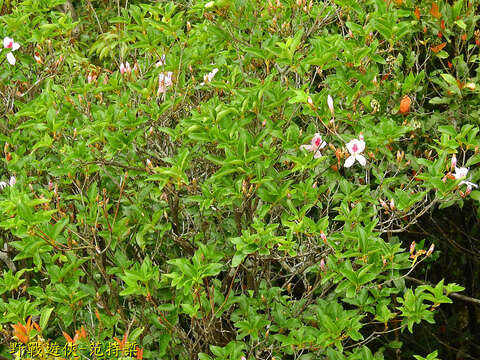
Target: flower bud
{"points": [[469, 190], [37, 58], [412, 247], [322, 264], [392, 205], [430, 250], [384, 204], [244, 186], [310, 102], [323, 236], [453, 163], [400, 155], [330, 104]]}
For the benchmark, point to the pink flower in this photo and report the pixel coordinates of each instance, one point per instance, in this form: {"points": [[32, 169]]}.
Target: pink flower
{"points": [[125, 68], [453, 163], [355, 147], [461, 173], [323, 236], [322, 264], [161, 62], [11, 182], [315, 145], [330, 104], [8, 43], [384, 204], [164, 81], [209, 77]]}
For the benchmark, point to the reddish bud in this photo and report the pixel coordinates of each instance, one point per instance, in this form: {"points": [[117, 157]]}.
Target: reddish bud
{"points": [[323, 236], [430, 250]]}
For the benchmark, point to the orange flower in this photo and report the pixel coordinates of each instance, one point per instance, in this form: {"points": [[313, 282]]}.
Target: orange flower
{"points": [[405, 105], [139, 353]]}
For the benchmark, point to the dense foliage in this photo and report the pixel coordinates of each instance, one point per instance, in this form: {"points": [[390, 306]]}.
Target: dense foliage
{"points": [[233, 179]]}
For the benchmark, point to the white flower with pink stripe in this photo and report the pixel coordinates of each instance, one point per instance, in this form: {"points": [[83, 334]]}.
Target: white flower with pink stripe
{"points": [[355, 147]]}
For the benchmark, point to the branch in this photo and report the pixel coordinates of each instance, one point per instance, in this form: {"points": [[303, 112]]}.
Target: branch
{"points": [[455, 295]]}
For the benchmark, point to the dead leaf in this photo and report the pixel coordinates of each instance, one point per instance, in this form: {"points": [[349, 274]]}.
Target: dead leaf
{"points": [[437, 48], [405, 105], [435, 11], [417, 13]]}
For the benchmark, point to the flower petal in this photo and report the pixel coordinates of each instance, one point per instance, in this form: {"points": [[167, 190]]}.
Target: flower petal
{"points": [[6, 42], [460, 172], [306, 147], [16, 46], [11, 59], [316, 140], [361, 146], [361, 159], [350, 146], [349, 162], [330, 104], [468, 183], [212, 74]]}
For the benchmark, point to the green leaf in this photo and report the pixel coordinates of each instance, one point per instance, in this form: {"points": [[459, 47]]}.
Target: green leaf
{"points": [[44, 317]]}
